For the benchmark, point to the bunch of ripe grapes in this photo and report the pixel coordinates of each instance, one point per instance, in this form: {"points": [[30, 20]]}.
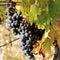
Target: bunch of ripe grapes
{"points": [[29, 34]]}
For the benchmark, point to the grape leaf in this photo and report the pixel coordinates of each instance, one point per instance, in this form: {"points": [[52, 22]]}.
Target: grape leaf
{"points": [[46, 45], [33, 9], [24, 10], [26, 1], [42, 18], [58, 3], [32, 1], [31, 17], [58, 7], [52, 9]]}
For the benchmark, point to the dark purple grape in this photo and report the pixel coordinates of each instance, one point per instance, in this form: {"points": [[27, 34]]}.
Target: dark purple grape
{"points": [[13, 4], [29, 34], [10, 11]]}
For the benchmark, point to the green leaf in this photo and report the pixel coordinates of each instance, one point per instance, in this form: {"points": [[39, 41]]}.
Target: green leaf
{"points": [[26, 1], [52, 9], [58, 7], [32, 1], [38, 10], [42, 19], [46, 1], [33, 9], [47, 45], [24, 10], [58, 3], [31, 17]]}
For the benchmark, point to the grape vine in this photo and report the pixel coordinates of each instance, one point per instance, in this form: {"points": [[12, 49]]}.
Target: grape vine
{"points": [[29, 34], [30, 19]]}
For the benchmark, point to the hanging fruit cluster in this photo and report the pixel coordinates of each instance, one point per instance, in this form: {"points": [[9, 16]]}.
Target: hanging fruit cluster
{"points": [[29, 34]]}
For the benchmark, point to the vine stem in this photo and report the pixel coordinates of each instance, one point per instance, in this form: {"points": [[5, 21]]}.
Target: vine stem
{"points": [[8, 42], [5, 3]]}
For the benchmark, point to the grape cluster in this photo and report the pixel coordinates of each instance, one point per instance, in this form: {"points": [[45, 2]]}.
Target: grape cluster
{"points": [[26, 39], [14, 18], [10, 3], [29, 34]]}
